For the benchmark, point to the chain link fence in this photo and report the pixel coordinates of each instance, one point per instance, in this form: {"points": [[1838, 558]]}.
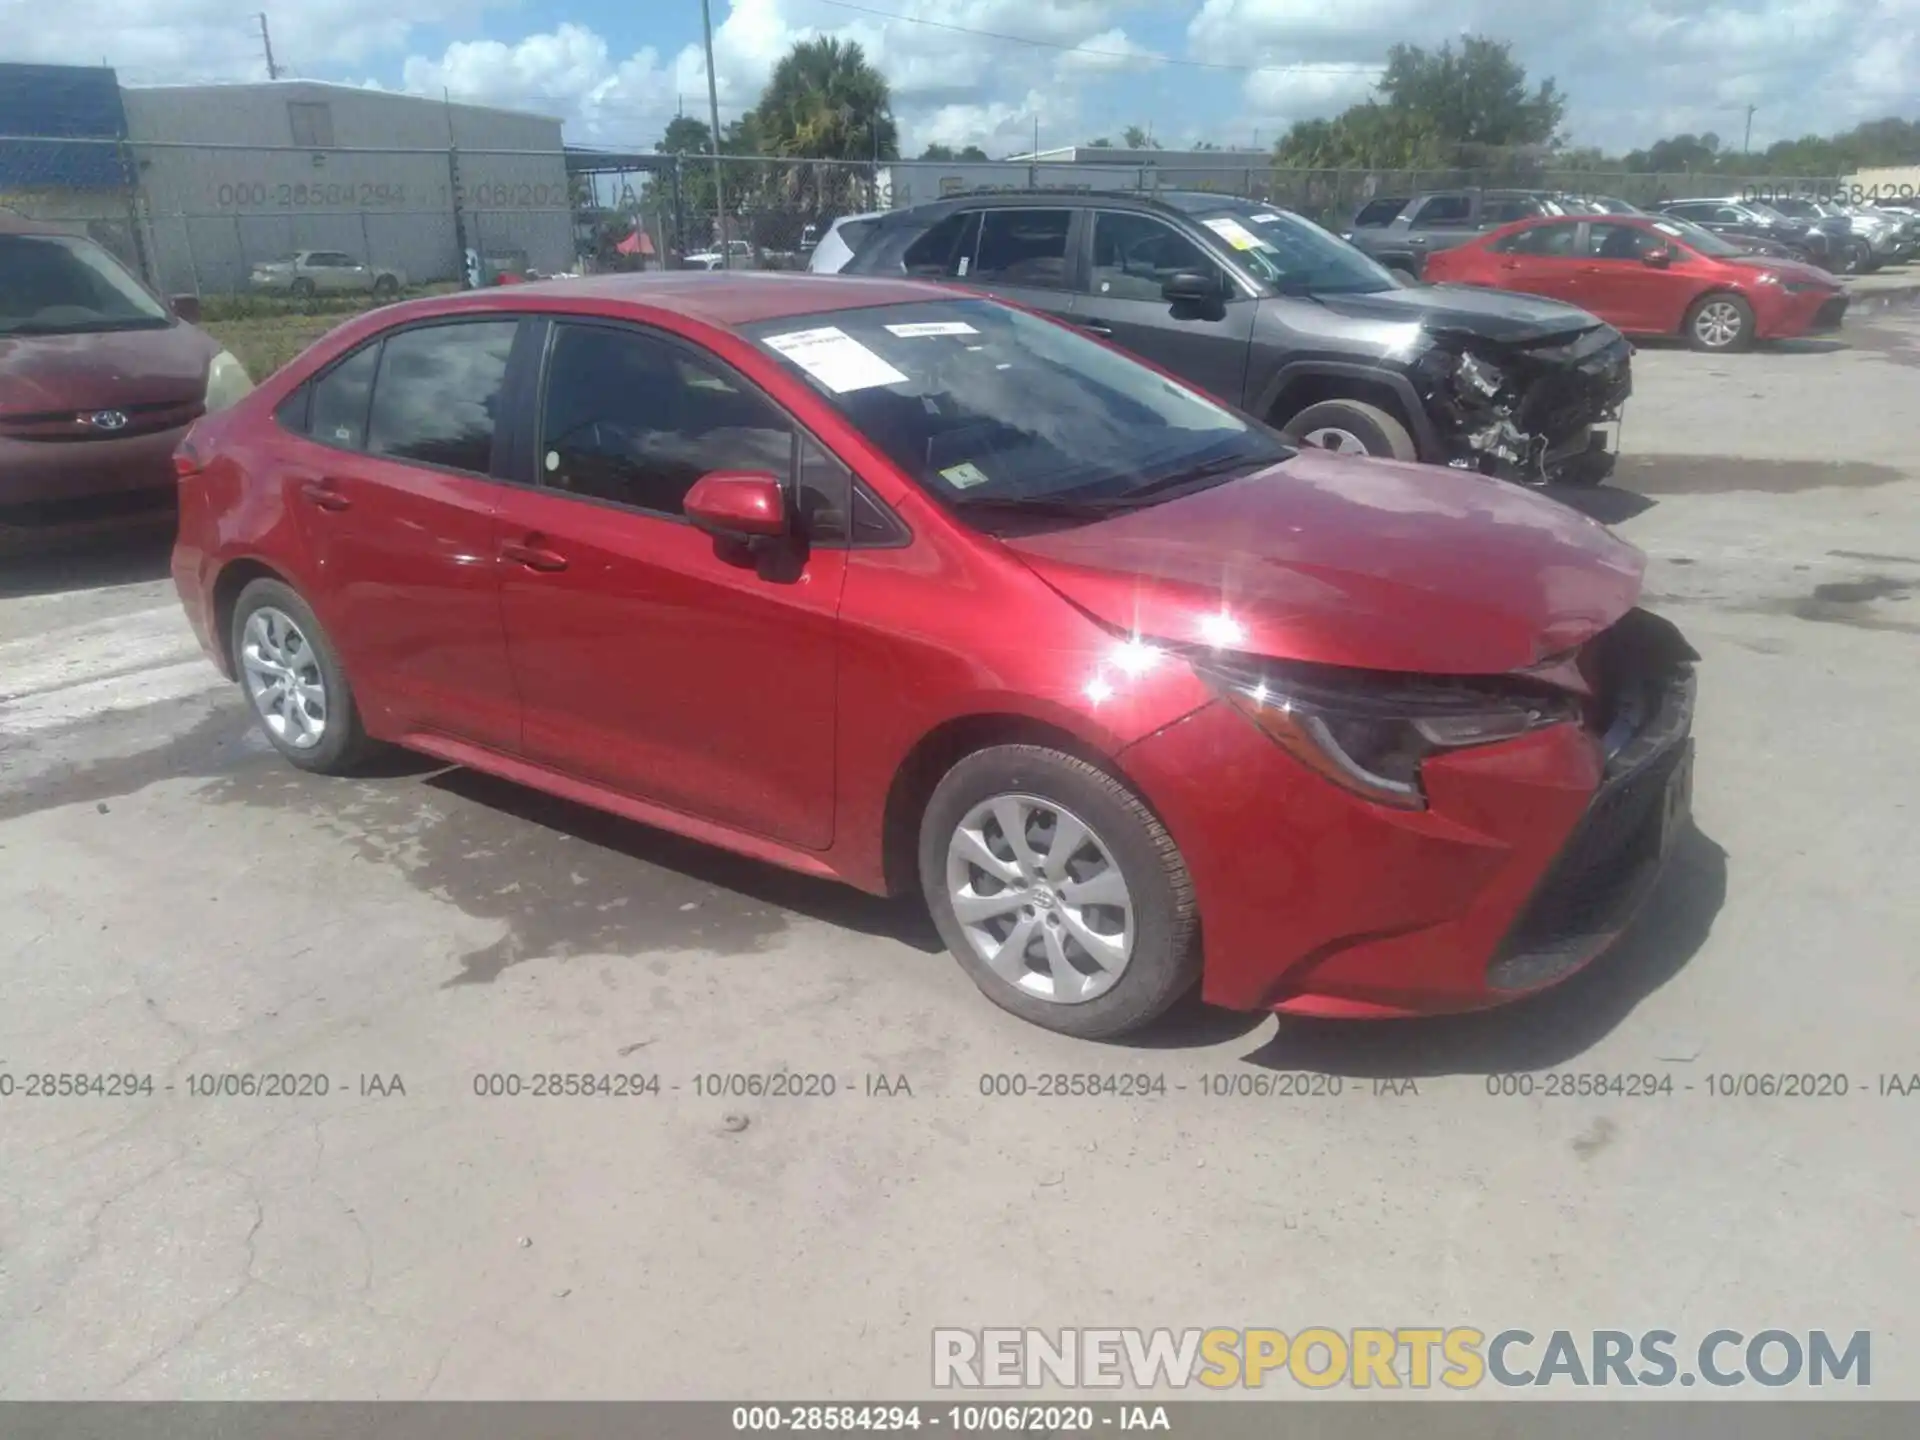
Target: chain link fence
{"points": [[219, 219]]}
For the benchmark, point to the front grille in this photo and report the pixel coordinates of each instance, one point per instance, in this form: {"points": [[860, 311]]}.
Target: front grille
{"points": [[1829, 315], [71, 427], [1612, 858]]}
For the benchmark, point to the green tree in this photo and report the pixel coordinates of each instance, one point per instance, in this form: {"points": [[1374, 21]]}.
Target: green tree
{"points": [[1138, 139], [947, 152], [1103, 143], [824, 103], [686, 136], [1476, 95]]}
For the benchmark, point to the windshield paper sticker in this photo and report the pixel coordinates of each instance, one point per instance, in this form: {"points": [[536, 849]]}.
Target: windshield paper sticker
{"points": [[1234, 233], [932, 327], [836, 359], [964, 476], [1266, 217]]}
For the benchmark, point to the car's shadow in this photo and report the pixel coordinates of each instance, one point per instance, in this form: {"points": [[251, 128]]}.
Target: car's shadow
{"points": [[131, 559], [904, 920], [1541, 1033]]}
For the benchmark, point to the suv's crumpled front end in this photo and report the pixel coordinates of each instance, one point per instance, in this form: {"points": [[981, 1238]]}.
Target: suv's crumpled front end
{"points": [[1527, 411]]}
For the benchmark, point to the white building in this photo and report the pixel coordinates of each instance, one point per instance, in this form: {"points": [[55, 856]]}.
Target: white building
{"points": [[233, 174]]}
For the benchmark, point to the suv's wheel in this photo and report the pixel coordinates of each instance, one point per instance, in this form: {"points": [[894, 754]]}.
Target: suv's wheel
{"points": [[1059, 892], [1720, 322], [293, 679], [1351, 427]]}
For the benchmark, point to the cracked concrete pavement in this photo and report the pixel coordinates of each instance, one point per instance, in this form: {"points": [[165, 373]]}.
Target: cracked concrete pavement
{"points": [[176, 904]]}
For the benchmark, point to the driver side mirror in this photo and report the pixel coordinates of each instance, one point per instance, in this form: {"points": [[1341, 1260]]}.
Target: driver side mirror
{"points": [[1658, 259], [1190, 287], [187, 307], [738, 505]]}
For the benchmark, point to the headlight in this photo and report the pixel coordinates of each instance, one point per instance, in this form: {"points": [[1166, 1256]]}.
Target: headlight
{"points": [[227, 382], [1370, 733]]}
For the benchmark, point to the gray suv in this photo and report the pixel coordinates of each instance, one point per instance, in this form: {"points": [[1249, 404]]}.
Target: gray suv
{"points": [[1286, 321]]}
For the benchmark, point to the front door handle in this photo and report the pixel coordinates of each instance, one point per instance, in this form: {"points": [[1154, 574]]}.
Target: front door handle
{"points": [[322, 493], [534, 557], [1095, 327]]}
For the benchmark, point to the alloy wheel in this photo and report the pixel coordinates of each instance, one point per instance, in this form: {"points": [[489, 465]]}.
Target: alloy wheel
{"points": [[1040, 898], [1328, 437], [283, 678], [1718, 324]]}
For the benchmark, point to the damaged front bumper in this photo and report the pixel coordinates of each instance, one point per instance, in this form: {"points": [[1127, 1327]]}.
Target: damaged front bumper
{"points": [[1531, 413]]}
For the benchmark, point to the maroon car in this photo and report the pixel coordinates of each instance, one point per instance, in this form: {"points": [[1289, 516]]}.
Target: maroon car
{"points": [[99, 380]]}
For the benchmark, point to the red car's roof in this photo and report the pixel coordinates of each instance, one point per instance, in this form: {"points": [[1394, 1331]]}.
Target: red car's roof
{"points": [[723, 298]]}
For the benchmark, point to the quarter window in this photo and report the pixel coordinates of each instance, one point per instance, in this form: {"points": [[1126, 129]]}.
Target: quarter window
{"points": [[637, 421], [1381, 211], [438, 392]]}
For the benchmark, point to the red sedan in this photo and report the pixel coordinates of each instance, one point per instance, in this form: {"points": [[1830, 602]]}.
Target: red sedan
{"points": [[1651, 275], [920, 592]]}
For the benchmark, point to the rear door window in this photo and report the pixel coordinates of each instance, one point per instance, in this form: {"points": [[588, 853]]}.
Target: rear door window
{"points": [[1380, 212], [1443, 210], [1540, 240], [436, 397], [1023, 247], [340, 398]]}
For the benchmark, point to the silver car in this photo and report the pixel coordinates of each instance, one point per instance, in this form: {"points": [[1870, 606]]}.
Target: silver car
{"points": [[326, 272]]}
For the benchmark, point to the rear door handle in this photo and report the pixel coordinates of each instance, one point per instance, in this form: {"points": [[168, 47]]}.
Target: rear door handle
{"points": [[1095, 327], [534, 557], [322, 493]]}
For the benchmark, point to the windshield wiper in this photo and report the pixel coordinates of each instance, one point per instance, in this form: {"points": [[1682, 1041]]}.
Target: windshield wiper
{"points": [[1034, 504], [1226, 467]]}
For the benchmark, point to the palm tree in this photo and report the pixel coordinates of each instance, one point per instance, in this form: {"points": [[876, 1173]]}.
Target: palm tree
{"points": [[825, 102]]}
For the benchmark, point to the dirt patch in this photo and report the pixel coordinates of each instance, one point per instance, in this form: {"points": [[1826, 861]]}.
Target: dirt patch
{"points": [[1723, 474]]}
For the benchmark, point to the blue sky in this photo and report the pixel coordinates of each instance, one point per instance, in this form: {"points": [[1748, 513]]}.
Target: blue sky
{"points": [[616, 71]]}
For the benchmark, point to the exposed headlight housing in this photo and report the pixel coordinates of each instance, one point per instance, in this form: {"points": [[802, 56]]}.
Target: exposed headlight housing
{"points": [[227, 382], [1370, 733]]}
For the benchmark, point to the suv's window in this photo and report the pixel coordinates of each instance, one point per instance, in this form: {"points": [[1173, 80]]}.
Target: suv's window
{"points": [[1620, 242], [946, 249], [1728, 213], [1133, 255], [635, 420], [1502, 210], [1381, 211], [436, 394], [1443, 210], [338, 415], [1540, 240], [1022, 247]]}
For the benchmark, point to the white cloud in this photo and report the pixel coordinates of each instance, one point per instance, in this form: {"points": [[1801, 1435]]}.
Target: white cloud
{"points": [[1108, 53]]}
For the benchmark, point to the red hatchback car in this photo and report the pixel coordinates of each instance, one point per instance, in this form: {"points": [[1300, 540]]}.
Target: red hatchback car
{"points": [[1651, 275], [921, 592]]}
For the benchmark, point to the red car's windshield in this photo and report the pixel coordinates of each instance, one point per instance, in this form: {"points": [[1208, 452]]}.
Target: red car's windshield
{"points": [[983, 404], [58, 285]]}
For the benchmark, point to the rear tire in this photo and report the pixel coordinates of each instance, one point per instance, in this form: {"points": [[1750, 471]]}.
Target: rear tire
{"points": [[293, 681], [1120, 885], [385, 287], [1351, 427], [301, 288], [1719, 323]]}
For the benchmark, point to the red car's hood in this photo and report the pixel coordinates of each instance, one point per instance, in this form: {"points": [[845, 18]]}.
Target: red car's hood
{"points": [[1343, 561], [1785, 269], [103, 370]]}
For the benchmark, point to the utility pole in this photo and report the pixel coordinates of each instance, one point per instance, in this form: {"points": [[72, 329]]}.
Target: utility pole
{"points": [[1746, 145], [713, 111], [266, 40]]}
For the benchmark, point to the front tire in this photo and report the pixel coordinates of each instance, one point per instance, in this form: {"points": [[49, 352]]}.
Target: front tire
{"points": [[293, 681], [1720, 323], [1059, 892], [385, 287], [1351, 427], [301, 288]]}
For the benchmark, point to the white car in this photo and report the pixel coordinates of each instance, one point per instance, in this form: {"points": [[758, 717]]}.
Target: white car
{"points": [[739, 257], [326, 272], [843, 237]]}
